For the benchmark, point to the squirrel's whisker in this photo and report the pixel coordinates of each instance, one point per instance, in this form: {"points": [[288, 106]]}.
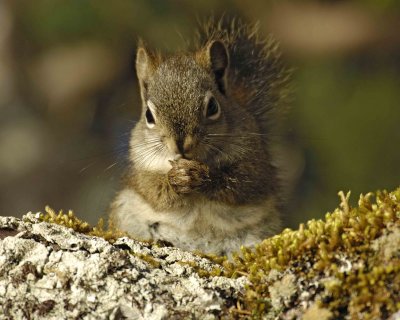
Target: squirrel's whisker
{"points": [[111, 166]]}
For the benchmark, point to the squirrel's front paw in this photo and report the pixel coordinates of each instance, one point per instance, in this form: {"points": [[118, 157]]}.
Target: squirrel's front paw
{"points": [[187, 175]]}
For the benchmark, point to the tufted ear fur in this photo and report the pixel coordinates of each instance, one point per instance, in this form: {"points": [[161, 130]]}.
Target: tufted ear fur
{"points": [[146, 63], [215, 57]]}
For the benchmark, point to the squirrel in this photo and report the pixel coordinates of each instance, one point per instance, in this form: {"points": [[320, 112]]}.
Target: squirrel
{"points": [[201, 173]]}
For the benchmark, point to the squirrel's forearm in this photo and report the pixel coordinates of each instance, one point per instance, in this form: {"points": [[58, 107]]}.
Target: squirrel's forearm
{"points": [[235, 187], [155, 188], [224, 188]]}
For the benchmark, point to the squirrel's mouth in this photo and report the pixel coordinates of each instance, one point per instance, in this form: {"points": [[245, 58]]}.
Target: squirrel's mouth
{"points": [[187, 156]]}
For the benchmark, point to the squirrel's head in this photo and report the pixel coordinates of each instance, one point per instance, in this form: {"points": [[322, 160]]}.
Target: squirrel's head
{"points": [[184, 100]]}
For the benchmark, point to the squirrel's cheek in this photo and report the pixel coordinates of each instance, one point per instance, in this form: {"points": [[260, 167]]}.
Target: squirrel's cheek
{"points": [[171, 146]]}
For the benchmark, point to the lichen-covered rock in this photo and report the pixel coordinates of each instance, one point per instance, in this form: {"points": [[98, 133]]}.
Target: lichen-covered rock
{"points": [[346, 266], [52, 272]]}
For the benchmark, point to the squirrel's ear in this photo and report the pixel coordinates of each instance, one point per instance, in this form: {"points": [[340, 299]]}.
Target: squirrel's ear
{"points": [[145, 66], [217, 60]]}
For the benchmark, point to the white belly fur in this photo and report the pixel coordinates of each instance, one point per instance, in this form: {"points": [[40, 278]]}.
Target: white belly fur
{"points": [[208, 226]]}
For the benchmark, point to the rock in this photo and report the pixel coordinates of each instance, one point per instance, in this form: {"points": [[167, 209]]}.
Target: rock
{"points": [[50, 271]]}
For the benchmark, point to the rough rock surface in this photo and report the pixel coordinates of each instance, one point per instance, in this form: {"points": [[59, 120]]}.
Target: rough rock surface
{"points": [[48, 271]]}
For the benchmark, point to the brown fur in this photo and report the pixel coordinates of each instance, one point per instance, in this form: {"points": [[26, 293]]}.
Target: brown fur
{"points": [[206, 183]]}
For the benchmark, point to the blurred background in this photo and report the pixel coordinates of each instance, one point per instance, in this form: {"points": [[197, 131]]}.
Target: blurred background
{"points": [[69, 95]]}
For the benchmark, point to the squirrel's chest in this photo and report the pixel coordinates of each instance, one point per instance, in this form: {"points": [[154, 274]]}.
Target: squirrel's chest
{"points": [[202, 217], [206, 225]]}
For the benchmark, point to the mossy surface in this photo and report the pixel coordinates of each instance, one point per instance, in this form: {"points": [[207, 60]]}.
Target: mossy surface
{"points": [[346, 265], [70, 220], [343, 262]]}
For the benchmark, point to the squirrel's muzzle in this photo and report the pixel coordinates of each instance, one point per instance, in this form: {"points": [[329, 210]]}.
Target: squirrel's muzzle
{"points": [[182, 146]]}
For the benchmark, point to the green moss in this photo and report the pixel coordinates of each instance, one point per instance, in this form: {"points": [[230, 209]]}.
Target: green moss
{"points": [[355, 273], [200, 271], [65, 219], [147, 258], [71, 221], [339, 248]]}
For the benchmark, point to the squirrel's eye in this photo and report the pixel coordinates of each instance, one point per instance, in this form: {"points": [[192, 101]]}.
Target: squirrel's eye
{"points": [[150, 118], [213, 110]]}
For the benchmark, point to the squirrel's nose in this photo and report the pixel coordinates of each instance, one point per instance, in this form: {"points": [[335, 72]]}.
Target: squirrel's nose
{"points": [[185, 145]]}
